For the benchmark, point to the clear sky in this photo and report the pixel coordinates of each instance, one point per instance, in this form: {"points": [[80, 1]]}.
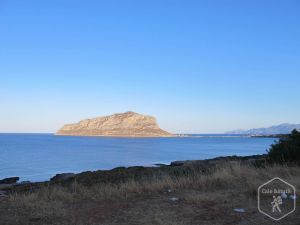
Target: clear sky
{"points": [[199, 66]]}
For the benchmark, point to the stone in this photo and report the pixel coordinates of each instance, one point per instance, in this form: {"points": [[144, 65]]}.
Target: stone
{"points": [[10, 180], [62, 177], [174, 199], [128, 124], [25, 182], [284, 195], [178, 163], [293, 197], [239, 210]]}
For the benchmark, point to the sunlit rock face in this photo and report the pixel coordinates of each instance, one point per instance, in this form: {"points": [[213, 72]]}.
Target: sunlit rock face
{"points": [[128, 124]]}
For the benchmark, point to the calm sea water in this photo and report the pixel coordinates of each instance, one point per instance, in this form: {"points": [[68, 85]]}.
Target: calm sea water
{"points": [[37, 157]]}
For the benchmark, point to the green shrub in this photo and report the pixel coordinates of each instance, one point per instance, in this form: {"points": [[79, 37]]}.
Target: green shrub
{"points": [[286, 150]]}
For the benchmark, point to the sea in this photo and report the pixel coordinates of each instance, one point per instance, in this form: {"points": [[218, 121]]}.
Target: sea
{"points": [[38, 157]]}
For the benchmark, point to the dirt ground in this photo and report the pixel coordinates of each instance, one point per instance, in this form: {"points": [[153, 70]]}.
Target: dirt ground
{"points": [[190, 198], [156, 210]]}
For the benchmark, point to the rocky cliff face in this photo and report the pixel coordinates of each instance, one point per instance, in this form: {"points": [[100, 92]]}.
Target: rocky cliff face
{"points": [[127, 124]]}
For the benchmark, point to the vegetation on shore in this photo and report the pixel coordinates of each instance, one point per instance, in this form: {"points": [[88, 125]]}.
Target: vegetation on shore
{"points": [[286, 150], [186, 193]]}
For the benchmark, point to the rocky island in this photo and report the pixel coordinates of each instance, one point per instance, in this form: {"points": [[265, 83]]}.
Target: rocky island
{"points": [[128, 124]]}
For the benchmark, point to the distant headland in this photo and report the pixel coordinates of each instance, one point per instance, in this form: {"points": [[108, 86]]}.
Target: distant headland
{"points": [[280, 129], [128, 124]]}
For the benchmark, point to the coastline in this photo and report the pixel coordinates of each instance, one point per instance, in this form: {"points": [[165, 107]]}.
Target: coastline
{"points": [[45, 155], [184, 192], [205, 164]]}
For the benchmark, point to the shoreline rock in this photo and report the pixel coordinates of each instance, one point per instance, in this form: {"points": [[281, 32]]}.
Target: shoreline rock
{"points": [[121, 174], [62, 177], [10, 180]]}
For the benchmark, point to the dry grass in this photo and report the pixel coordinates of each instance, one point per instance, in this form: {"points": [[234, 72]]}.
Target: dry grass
{"points": [[201, 197]]}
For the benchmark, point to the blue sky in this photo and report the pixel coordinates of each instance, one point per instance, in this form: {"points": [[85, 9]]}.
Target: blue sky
{"points": [[198, 66]]}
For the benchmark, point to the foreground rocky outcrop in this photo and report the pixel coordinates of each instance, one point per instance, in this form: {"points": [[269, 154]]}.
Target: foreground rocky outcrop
{"points": [[10, 180], [128, 124], [122, 174], [7, 183]]}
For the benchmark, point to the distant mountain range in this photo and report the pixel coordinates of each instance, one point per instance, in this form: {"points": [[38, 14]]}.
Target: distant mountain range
{"points": [[284, 128]]}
